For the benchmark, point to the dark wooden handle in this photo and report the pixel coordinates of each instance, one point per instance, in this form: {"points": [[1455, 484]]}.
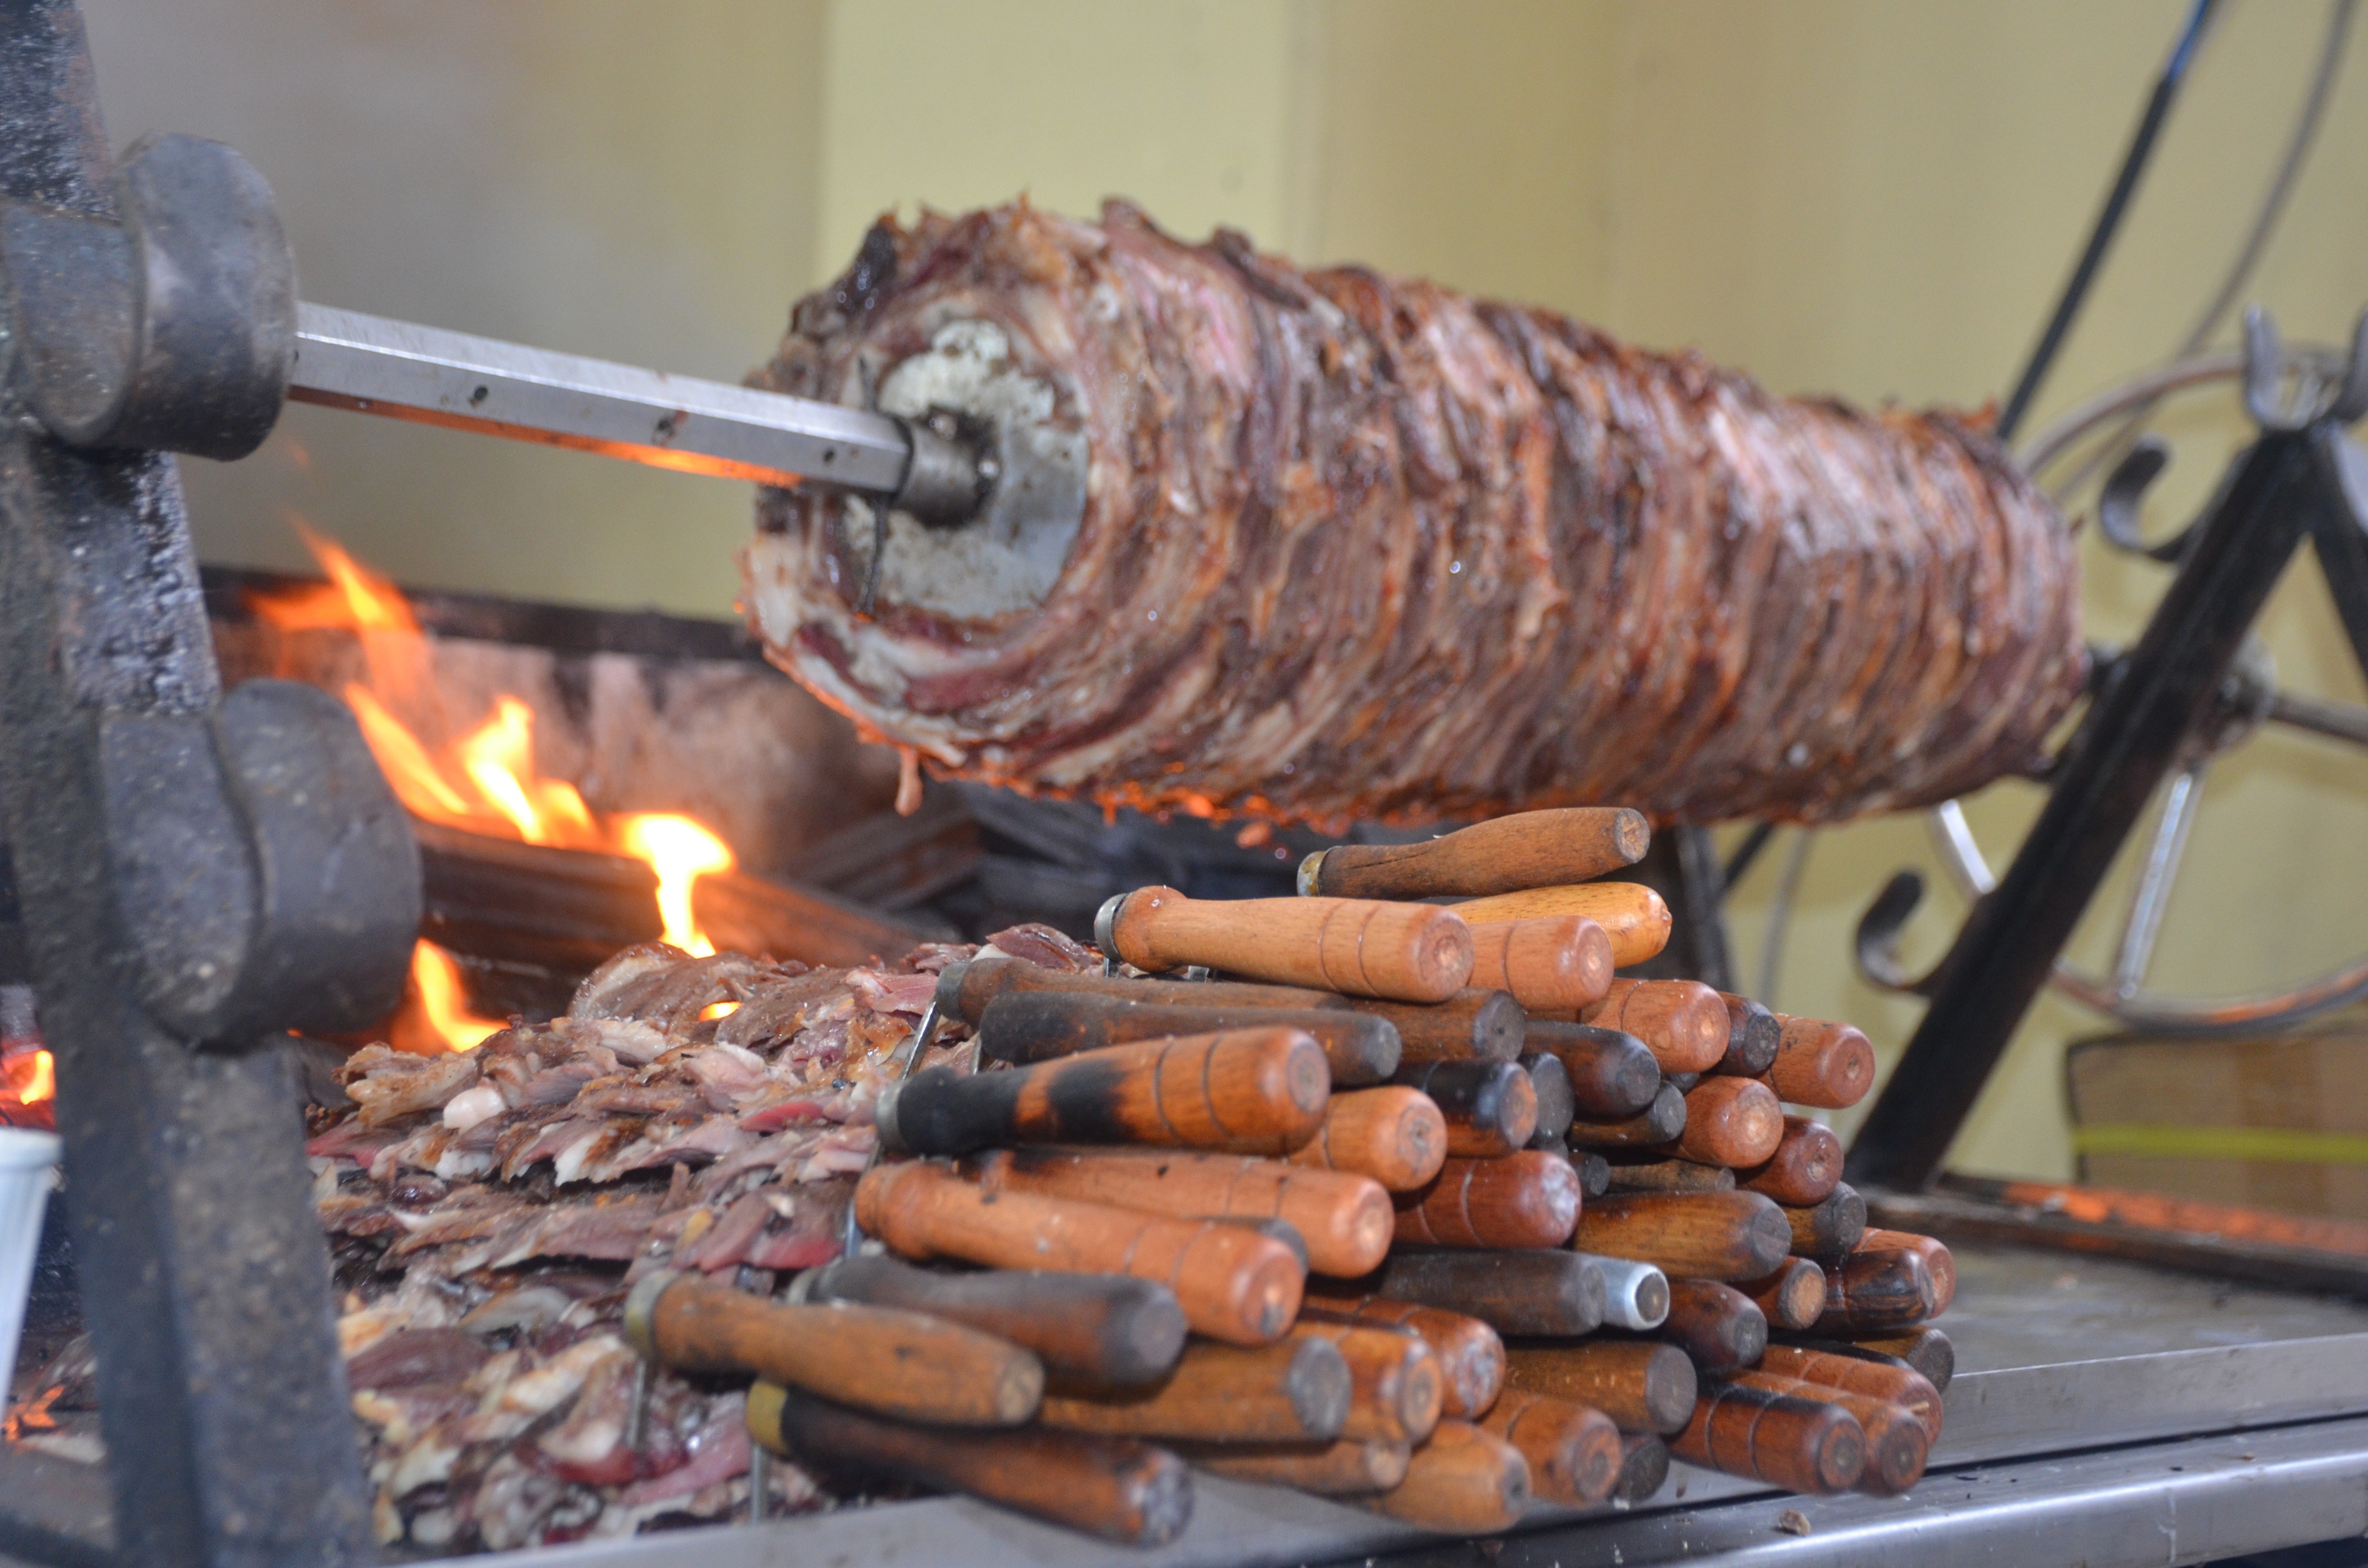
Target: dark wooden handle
{"points": [[1792, 1297], [1926, 1351], [1643, 1385], [1491, 1107], [1550, 1088], [1250, 1091], [1344, 1468], [1830, 1227], [1804, 1168], [1614, 1075], [881, 1359], [1036, 1026], [1232, 1284], [1720, 1329], [1528, 1292], [1097, 1328], [1344, 1220], [1472, 1025], [1878, 1378], [1633, 1174], [1895, 1444], [1798, 1444], [1556, 963], [1527, 1200], [1573, 1449], [1734, 1122], [1113, 1488], [1938, 1260], [1682, 1022], [1643, 1467], [1594, 1170], [1298, 1388], [1395, 1136], [1531, 849], [1690, 1235], [1752, 1037], [1462, 1481], [1661, 1122], [1396, 1389], [1407, 952], [1470, 1355], [967, 989], [1820, 1064], [1872, 1291], [1630, 914]]}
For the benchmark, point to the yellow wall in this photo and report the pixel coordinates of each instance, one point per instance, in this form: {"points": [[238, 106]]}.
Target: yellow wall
{"points": [[1852, 196]]}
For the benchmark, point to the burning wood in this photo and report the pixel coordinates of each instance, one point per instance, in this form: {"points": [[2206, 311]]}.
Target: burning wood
{"points": [[29, 1084]]}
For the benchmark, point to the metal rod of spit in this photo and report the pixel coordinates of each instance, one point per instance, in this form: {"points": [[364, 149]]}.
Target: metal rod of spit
{"points": [[346, 359]]}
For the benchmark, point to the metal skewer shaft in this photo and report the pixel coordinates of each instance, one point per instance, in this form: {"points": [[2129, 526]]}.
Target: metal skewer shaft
{"points": [[346, 359]]}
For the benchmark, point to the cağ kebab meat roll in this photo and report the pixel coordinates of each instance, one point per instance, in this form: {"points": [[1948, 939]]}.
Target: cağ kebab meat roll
{"points": [[1327, 544]]}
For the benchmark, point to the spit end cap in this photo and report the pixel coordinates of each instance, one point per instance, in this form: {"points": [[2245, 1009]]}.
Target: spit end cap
{"points": [[1106, 926], [1311, 871], [883, 1118], [641, 1312]]}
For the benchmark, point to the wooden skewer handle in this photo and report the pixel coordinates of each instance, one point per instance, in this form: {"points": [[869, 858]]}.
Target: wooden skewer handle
{"points": [[1830, 1228], [1395, 1136], [1233, 1283], [1801, 1445], [1939, 1261], [1667, 1175], [1870, 1292], [1573, 1450], [1556, 963], [1491, 1107], [1720, 1329], [880, 1359], [1682, 1022], [966, 990], [1643, 1467], [1878, 1377], [1113, 1488], [1408, 953], [1926, 1351], [1752, 1037], [1462, 1481], [1527, 1200], [1036, 1026], [1475, 1024], [1614, 1075], [1734, 1122], [1550, 1088], [1250, 1091], [1526, 850], [1663, 1121], [1630, 914], [1297, 1389], [1344, 1220], [1819, 1063], [1097, 1328], [1792, 1297], [1470, 1356], [1643, 1385], [1694, 1236], [1895, 1444], [1396, 1389], [1547, 1291], [1804, 1168], [1344, 1468]]}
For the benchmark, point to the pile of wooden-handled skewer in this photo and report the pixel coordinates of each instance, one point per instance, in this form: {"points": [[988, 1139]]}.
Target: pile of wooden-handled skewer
{"points": [[1415, 1203]]}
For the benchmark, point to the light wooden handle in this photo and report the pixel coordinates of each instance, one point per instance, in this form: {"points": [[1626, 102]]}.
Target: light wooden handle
{"points": [[1347, 1467], [1682, 1022], [1819, 1063], [1573, 1449], [1792, 1297], [1644, 1386], [1295, 1389], [1470, 1354], [1462, 1481], [1395, 1136], [1896, 1445], [1251, 1091], [1798, 1444], [881, 1359], [1805, 1167], [1233, 1283], [1036, 1026], [1527, 1200], [1556, 963], [1112, 1487], [1530, 850], [1395, 1386], [1407, 952], [1345, 1220], [1734, 1122], [1630, 914], [1690, 1235], [1926, 1351], [1884, 1380]]}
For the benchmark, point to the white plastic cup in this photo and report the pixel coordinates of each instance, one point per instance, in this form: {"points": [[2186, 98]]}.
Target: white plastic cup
{"points": [[26, 1160]]}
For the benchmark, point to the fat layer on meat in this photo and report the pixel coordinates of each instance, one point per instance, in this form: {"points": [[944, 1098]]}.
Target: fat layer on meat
{"points": [[1356, 546]]}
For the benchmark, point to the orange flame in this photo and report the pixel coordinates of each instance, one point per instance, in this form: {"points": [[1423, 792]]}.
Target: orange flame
{"points": [[28, 1078], [32, 1416], [485, 781]]}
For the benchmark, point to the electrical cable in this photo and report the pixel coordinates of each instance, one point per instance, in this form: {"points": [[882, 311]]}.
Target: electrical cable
{"points": [[2108, 220]]}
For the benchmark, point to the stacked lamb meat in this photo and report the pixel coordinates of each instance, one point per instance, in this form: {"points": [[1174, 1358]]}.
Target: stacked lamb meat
{"points": [[491, 1209]]}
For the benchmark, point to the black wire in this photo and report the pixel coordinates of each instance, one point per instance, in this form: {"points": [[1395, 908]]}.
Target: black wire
{"points": [[1745, 854], [2109, 220]]}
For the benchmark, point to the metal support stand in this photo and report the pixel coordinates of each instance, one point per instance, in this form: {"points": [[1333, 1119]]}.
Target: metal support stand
{"points": [[1682, 867], [2290, 485]]}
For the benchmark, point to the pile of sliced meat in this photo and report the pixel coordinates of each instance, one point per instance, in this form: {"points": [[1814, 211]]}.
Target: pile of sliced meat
{"points": [[489, 1211]]}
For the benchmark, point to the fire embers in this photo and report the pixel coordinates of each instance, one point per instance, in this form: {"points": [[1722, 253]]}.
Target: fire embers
{"points": [[490, 1208], [29, 1084], [1354, 545]]}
